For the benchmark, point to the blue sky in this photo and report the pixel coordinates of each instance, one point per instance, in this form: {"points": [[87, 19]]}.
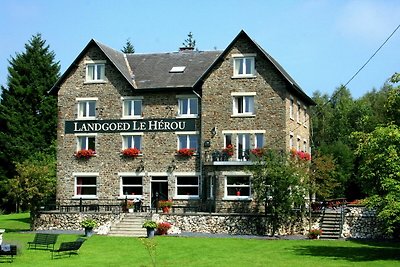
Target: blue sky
{"points": [[320, 43]]}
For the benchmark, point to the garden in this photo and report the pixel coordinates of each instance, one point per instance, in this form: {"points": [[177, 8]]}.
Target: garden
{"points": [[167, 250]]}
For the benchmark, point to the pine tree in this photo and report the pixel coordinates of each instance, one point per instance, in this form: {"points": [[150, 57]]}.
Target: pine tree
{"points": [[128, 48], [28, 115], [190, 42]]}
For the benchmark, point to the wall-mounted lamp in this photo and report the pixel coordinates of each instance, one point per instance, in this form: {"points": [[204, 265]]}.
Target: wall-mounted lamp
{"points": [[172, 166], [141, 166], [213, 131]]}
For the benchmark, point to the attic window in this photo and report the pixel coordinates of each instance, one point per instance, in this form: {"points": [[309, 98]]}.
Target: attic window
{"points": [[179, 69]]}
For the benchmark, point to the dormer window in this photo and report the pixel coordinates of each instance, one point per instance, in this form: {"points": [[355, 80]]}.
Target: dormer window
{"points": [[178, 69], [243, 65], [95, 71]]}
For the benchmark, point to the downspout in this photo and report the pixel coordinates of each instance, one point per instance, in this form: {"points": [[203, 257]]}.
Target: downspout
{"points": [[201, 146]]}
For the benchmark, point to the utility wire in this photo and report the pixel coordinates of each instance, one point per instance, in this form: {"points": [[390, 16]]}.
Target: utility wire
{"points": [[352, 77]]}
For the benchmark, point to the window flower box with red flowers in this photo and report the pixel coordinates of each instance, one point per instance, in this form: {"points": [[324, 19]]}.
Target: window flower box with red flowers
{"points": [[130, 152], [85, 154], [228, 150], [186, 152]]}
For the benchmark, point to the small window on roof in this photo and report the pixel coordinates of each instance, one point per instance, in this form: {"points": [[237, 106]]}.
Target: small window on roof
{"points": [[178, 69]]}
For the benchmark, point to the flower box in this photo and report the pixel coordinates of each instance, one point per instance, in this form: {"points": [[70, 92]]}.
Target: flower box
{"points": [[186, 152], [130, 152], [85, 154], [228, 150]]}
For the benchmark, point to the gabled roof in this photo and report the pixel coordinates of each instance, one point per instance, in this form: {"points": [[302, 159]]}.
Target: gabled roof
{"points": [[152, 71], [242, 34], [116, 58]]}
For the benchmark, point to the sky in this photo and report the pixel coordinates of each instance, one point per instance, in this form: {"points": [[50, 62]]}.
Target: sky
{"points": [[320, 43]]}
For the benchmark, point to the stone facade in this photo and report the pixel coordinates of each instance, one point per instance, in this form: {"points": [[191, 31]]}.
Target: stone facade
{"points": [[277, 100]]}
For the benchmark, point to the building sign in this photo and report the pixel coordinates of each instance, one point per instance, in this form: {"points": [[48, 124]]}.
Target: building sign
{"points": [[120, 126]]}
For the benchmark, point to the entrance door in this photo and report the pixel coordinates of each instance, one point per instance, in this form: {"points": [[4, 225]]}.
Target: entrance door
{"points": [[159, 191]]}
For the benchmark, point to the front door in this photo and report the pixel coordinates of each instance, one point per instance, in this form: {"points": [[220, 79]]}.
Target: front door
{"points": [[159, 191]]}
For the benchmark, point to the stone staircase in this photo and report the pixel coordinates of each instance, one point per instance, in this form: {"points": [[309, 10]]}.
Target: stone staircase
{"points": [[331, 224], [130, 225]]}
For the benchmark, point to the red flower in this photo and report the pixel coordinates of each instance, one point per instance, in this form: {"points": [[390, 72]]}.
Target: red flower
{"points": [[186, 152], [131, 152], [163, 227], [229, 150], [258, 152], [300, 155], [85, 154]]}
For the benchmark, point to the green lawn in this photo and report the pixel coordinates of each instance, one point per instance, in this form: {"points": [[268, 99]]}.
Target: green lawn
{"points": [[181, 251]]}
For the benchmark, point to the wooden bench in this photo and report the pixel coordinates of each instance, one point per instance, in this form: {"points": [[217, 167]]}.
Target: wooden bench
{"points": [[8, 250], [68, 247], [44, 241]]}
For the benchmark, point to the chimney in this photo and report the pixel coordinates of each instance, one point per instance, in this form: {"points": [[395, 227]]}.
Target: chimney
{"points": [[186, 48]]}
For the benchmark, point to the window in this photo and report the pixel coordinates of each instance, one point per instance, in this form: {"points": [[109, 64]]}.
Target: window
{"points": [[132, 141], [87, 108], [87, 142], [243, 66], [259, 140], [243, 105], [298, 148], [95, 72], [291, 145], [188, 141], [298, 114], [291, 107], [237, 187], [305, 146], [305, 116], [243, 146], [132, 108], [131, 186], [187, 186], [187, 107], [85, 185], [227, 140]]}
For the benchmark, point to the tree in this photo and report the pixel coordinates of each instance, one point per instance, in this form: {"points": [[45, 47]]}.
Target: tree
{"points": [[379, 154], [277, 184], [190, 42], [393, 101], [35, 182], [322, 177], [28, 115], [128, 48]]}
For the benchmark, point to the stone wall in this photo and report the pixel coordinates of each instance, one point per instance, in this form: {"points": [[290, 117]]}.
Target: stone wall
{"points": [[361, 222]]}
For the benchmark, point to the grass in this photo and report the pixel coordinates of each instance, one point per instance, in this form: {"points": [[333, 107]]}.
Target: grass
{"points": [[181, 251]]}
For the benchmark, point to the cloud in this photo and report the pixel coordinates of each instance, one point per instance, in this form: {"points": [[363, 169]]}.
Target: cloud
{"points": [[370, 21]]}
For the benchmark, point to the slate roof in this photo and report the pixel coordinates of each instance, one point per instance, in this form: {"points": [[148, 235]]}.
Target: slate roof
{"points": [[152, 71]]}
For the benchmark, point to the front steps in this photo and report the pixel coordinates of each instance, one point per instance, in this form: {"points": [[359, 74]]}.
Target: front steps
{"points": [[331, 224], [130, 225]]}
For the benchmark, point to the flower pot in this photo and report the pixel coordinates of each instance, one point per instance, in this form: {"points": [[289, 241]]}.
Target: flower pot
{"points": [[88, 231], [150, 232], [165, 209]]}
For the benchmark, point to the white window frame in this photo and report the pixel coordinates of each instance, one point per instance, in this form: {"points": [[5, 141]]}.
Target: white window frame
{"points": [[235, 197], [97, 65], [127, 135], [183, 175], [233, 136], [258, 140], [291, 143], [305, 147], [79, 138], [134, 102], [121, 185], [291, 107], [305, 116], [188, 136], [85, 175], [298, 147], [245, 140], [245, 102], [83, 106], [298, 114], [242, 60], [188, 99]]}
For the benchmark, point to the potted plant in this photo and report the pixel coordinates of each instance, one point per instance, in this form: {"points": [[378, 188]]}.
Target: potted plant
{"points": [[130, 152], [85, 154], [88, 224], [165, 205], [163, 227], [227, 152], [150, 227], [314, 233], [186, 152]]}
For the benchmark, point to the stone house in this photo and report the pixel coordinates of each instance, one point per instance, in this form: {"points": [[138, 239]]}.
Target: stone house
{"points": [[178, 125]]}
